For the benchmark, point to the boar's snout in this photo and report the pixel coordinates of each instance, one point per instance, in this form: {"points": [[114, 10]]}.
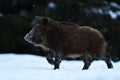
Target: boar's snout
{"points": [[28, 38]]}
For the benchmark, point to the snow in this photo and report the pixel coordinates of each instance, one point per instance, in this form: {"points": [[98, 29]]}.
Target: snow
{"points": [[1, 15], [112, 14], [31, 67], [108, 10], [115, 5], [51, 5], [34, 5]]}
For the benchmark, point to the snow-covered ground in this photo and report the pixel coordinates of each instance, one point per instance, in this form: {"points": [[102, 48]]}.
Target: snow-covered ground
{"points": [[31, 67]]}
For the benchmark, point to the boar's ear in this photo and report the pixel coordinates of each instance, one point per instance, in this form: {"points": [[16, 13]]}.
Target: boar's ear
{"points": [[44, 21]]}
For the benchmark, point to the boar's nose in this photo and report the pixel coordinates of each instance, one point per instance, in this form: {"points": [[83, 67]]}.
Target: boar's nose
{"points": [[28, 38]]}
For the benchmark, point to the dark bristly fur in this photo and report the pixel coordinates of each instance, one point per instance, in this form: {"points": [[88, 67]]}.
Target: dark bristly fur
{"points": [[64, 39]]}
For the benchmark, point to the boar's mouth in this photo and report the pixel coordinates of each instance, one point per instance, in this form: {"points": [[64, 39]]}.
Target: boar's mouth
{"points": [[29, 39], [42, 44]]}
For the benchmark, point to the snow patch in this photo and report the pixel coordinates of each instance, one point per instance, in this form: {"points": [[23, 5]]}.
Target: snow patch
{"points": [[51, 5], [112, 14], [115, 5], [31, 67]]}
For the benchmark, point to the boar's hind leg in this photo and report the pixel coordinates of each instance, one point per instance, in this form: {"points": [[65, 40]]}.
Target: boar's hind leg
{"points": [[87, 61], [57, 61], [107, 60]]}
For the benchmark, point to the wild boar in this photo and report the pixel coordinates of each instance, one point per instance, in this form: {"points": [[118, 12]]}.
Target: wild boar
{"points": [[66, 39]]}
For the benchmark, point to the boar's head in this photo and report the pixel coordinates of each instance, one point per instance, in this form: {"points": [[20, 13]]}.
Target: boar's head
{"points": [[37, 34]]}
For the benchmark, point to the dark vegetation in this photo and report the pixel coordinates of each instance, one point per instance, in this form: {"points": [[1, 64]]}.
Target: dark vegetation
{"points": [[17, 17]]}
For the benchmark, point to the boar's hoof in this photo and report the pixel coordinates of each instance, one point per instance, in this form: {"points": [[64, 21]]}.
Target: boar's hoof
{"points": [[56, 66]]}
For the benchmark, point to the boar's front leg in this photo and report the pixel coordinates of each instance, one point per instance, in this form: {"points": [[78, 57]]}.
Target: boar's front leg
{"points": [[50, 57], [54, 58], [57, 60]]}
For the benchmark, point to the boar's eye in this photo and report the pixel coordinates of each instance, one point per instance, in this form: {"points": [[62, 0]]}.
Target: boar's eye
{"points": [[37, 25]]}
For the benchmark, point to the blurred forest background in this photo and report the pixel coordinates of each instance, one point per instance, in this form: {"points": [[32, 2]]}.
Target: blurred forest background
{"points": [[17, 18]]}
